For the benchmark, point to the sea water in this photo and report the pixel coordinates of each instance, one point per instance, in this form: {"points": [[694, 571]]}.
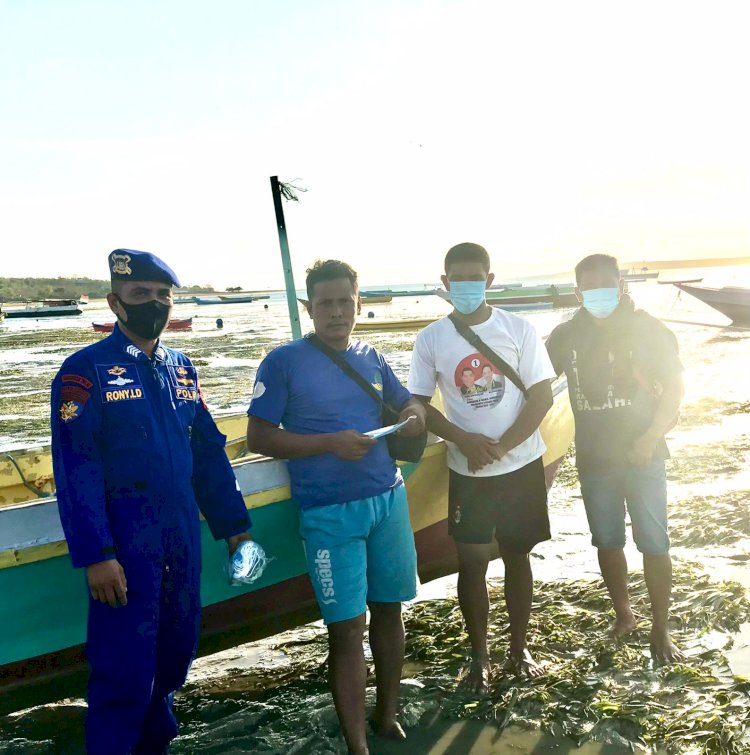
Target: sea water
{"points": [[271, 696]]}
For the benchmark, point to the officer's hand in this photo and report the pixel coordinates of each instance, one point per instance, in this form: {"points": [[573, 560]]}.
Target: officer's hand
{"points": [[234, 542], [107, 582], [349, 445], [479, 450]]}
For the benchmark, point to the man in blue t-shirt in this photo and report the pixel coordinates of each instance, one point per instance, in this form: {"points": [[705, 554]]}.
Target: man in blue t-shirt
{"points": [[354, 516]]}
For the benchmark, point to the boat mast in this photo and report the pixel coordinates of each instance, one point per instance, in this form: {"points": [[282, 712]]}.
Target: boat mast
{"points": [[291, 293]]}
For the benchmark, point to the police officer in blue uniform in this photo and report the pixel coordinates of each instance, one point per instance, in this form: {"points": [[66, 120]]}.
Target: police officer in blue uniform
{"points": [[136, 458]]}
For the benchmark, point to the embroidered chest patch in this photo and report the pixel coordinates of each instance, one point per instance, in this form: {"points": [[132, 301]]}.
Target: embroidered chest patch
{"points": [[184, 381], [119, 382]]}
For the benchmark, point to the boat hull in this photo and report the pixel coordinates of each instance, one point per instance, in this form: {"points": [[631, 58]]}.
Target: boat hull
{"points": [[528, 297], [108, 327], [405, 324], [43, 312], [43, 602], [732, 302]]}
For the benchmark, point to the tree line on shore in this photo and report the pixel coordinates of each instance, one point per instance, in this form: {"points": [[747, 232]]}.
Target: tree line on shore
{"points": [[36, 289]]}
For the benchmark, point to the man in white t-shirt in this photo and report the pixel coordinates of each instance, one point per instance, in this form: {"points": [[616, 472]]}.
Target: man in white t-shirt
{"points": [[497, 488]]}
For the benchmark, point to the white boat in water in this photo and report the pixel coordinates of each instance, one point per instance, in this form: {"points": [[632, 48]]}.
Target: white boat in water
{"points": [[46, 308], [732, 301]]}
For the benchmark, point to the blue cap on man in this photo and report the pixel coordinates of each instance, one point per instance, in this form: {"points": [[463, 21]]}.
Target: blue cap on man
{"points": [[132, 265]]}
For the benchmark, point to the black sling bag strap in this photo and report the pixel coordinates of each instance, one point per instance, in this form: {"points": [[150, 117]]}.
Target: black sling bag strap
{"points": [[405, 449], [334, 356], [485, 350]]}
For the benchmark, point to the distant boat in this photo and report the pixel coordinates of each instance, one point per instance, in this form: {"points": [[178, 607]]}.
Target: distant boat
{"points": [[634, 275], [523, 306], [183, 324], [527, 297], [207, 300], [732, 301], [370, 292], [83, 299], [365, 300], [403, 324], [46, 308], [242, 299], [377, 299], [184, 300], [227, 299]]}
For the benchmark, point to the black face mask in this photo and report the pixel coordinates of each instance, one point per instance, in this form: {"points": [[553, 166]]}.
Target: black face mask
{"points": [[146, 320]]}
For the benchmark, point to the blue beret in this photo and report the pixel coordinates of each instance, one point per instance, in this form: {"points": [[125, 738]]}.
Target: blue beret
{"points": [[132, 265]]}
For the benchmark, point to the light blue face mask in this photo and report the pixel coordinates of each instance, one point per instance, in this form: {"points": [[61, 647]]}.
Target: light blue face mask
{"points": [[467, 296], [601, 302]]}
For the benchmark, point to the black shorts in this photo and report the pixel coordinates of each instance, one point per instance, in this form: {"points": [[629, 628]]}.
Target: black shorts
{"points": [[510, 508]]}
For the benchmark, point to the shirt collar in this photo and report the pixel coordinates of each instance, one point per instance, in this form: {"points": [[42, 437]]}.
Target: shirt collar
{"points": [[131, 350]]}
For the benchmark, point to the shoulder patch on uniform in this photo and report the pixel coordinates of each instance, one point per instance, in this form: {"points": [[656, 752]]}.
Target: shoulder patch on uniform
{"points": [[74, 393], [77, 379], [70, 410]]}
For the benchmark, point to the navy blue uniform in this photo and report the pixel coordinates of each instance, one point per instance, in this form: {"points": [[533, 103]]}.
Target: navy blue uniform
{"points": [[136, 456]]}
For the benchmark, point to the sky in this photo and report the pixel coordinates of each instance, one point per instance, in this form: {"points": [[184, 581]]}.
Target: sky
{"points": [[543, 130]]}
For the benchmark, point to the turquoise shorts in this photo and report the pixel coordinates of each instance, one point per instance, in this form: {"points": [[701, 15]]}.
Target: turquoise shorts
{"points": [[360, 552]]}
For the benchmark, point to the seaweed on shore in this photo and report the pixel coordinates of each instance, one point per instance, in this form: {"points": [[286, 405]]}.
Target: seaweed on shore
{"points": [[593, 689], [696, 463], [711, 520]]}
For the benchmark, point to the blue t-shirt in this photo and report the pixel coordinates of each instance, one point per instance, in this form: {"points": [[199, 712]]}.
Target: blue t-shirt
{"points": [[299, 387]]}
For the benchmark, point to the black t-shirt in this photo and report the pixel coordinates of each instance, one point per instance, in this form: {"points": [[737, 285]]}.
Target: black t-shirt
{"points": [[615, 370]]}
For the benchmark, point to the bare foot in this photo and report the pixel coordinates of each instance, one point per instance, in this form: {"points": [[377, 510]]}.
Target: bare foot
{"points": [[476, 680], [523, 665], [389, 730], [663, 650], [623, 626]]}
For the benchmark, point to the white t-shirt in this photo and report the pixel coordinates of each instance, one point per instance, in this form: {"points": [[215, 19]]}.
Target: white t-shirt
{"points": [[477, 397]]}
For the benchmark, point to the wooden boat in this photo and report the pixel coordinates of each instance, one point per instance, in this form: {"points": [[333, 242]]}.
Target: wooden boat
{"points": [[635, 275], [181, 324], [411, 323], [732, 301], [365, 300], [524, 306], [46, 308], [556, 294], [237, 299], [370, 292], [43, 601], [227, 299], [381, 299]]}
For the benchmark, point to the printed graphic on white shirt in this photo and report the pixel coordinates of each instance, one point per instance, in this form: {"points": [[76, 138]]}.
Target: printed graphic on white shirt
{"points": [[481, 384]]}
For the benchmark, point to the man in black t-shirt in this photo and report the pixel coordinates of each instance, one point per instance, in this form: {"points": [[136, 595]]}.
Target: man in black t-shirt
{"points": [[625, 385]]}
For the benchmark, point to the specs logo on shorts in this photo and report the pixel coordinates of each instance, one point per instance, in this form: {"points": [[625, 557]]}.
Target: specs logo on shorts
{"points": [[457, 515], [325, 576]]}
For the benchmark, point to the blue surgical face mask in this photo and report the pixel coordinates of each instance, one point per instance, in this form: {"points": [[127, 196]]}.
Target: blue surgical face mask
{"points": [[467, 296], [601, 302]]}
